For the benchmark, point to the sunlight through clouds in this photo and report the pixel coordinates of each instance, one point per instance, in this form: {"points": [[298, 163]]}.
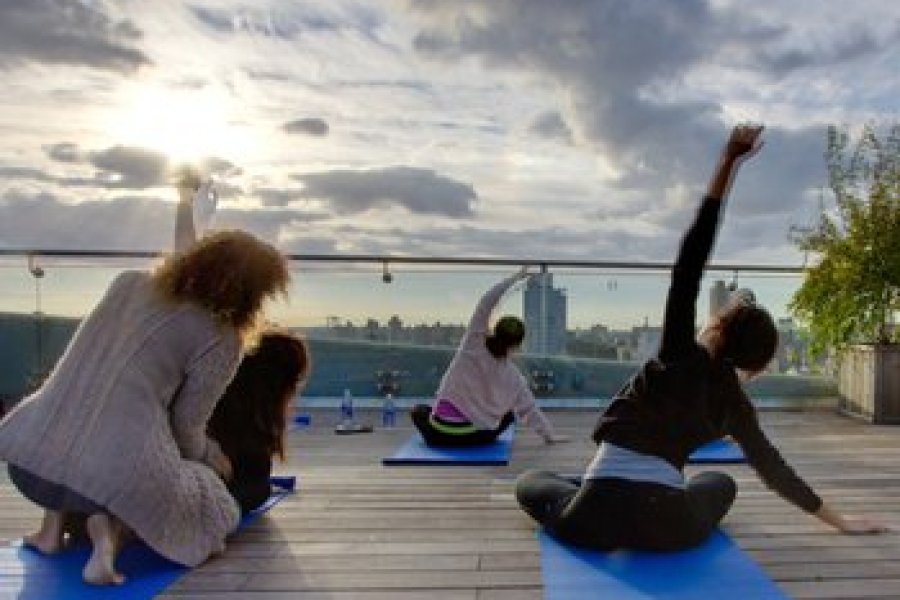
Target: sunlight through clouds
{"points": [[184, 124]]}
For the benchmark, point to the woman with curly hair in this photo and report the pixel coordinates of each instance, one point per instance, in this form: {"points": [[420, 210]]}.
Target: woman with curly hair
{"points": [[118, 432]]}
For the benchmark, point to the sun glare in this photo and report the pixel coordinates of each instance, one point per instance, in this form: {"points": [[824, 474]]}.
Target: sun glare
{"points": [[185, 125]]}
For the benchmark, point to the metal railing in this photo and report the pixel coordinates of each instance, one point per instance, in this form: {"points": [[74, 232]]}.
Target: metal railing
{"points": [[344, 360]]}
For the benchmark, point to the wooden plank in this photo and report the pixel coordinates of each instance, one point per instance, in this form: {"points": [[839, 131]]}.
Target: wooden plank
{"points": [[359, 531], [844, 589]]}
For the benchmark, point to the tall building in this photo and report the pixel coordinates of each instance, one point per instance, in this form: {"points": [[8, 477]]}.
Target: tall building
{"points": [[545, 311], [646, 341], [718, 296]]}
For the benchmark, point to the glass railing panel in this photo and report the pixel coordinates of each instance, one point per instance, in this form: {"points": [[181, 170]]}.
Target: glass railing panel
{"points": [[374, 329]]}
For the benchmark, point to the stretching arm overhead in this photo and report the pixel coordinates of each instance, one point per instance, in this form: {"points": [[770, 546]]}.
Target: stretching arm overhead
{"points": [[696, 246], [191, 194], [482, 314]]}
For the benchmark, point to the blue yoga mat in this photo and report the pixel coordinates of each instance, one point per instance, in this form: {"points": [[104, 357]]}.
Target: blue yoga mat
{"points": [[716, 569], [35, 576], [718, 451], [415, 452]]}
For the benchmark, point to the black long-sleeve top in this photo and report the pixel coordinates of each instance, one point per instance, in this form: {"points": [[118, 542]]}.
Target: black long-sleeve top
{"points": [[250, 484], [683, 398]]}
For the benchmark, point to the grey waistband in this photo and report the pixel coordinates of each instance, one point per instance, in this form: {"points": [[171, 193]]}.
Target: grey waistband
{"points": [[615, 461]]}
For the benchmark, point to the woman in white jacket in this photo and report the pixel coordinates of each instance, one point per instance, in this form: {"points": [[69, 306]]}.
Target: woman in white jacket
{"points": [[117, 433], [482, 391]]}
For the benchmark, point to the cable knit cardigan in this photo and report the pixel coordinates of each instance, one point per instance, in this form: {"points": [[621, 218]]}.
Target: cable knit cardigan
{"points": [[122, 419]]}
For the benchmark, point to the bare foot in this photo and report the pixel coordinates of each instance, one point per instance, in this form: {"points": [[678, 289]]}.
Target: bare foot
{"points": [[104, 532], [49, 538]]}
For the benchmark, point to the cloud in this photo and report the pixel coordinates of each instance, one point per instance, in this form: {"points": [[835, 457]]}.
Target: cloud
{"points": [[552, 126], [277, 197], [310, 126], [66, 152], [129, 167], [44, 221], [793, 54], [287, 22], [28, 173], [67, 32], [218, 20], [418, 190], [123, 167], [624, 70]]}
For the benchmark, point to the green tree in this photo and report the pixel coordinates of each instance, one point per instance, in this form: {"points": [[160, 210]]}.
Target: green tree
{"points": [[852, 294]]}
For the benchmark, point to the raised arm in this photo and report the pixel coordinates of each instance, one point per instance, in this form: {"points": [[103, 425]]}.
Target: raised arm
{"points": [[185, 232], [196, 202], [696, 246], [482, 313]]}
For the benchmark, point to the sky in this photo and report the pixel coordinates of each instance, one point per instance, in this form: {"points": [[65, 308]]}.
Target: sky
{"points": [[522, 129]]}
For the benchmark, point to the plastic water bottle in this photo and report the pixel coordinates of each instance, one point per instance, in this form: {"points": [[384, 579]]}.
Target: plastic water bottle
{"points": [[347, 407], [388, 411]]}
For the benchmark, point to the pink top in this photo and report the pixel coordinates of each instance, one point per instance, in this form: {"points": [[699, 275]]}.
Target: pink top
{"points": [[483, 387]]}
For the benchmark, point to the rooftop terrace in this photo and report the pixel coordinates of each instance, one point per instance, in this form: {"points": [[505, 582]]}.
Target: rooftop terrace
{"points": [[359, 530]]}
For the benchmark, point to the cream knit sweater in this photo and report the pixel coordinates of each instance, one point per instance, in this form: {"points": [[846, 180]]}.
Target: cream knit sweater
{"points": [[122, 419]]}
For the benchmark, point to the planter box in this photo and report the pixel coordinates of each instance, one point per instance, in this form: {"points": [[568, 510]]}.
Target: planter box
{"points": [[869, 382]]}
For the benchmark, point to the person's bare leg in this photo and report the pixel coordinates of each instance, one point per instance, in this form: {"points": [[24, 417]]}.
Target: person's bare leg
{"points": [[49, 538], [105, 533]]}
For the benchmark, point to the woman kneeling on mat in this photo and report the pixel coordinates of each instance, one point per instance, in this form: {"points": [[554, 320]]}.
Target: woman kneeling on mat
{"points": [[482, 391], [633, 494], [117, 433]]}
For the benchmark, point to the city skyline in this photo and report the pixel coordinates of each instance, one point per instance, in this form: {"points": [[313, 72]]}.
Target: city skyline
{"points": [[620, 300]]}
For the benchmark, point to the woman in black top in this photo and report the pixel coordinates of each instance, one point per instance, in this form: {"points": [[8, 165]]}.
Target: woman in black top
{"points": [[634, 494], [250, 418]]}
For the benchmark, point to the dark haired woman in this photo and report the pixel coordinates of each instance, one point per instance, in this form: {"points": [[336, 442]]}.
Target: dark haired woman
{"points": [[482, 391], [633, 494], [249, 420]]}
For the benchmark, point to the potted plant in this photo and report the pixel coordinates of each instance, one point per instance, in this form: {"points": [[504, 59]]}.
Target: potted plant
{"points": [[850, 297]]}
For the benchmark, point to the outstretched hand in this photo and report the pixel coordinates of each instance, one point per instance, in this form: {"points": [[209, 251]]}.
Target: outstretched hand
{"points": [[745, 141], [204, 201], [850, 525], [862, 526]]}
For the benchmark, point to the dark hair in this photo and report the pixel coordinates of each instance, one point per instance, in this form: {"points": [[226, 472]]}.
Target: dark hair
{"points": [[250, 416], [750, 337], [508, 333]]}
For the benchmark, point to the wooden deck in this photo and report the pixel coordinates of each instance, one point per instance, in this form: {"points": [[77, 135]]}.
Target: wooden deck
{"points": [[358, 530]]}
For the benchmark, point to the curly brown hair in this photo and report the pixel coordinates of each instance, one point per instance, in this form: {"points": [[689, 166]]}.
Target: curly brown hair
{"points": [[228, 273]]}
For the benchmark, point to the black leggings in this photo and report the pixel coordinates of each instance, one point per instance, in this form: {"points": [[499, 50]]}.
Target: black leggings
{"points": [[609, 512], [420, 415], [49, 495]]}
